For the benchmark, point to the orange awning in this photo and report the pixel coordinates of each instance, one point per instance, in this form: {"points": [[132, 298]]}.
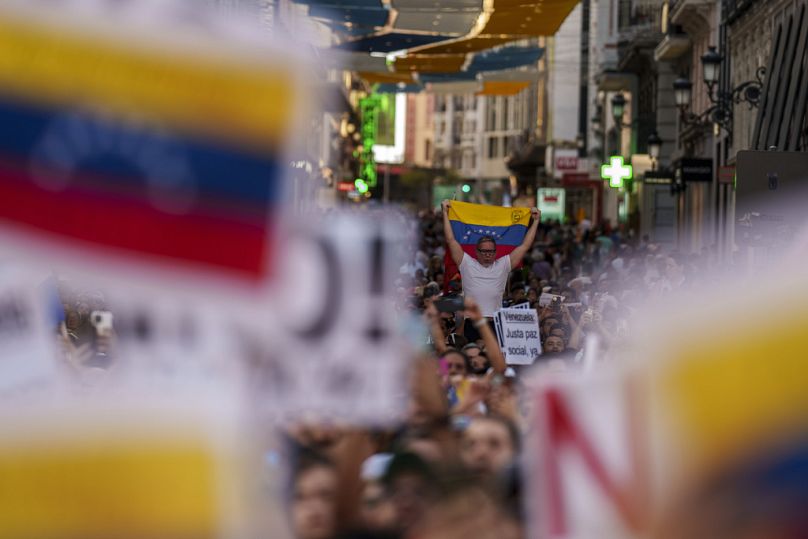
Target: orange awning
{"points": [[503, 88], [445, 63]]}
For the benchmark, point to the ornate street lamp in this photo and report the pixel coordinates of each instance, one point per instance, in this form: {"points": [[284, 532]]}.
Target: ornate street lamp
{"points": [[711, 66], [722, 101], [654, 146], [682, 91], [618, 108]]}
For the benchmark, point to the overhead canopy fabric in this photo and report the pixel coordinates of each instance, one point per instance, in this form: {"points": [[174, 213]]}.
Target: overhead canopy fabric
{"points": [[430, 64], [390, 42], [387, 78], [447, 17], [370, 13], [510, 75], [503, 88], [454, 88], [398, 88], [505, 58], [443, 41]]}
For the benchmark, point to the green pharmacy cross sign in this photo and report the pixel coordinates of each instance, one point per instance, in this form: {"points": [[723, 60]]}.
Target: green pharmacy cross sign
{"points": [[369, 107], [616, 172]]}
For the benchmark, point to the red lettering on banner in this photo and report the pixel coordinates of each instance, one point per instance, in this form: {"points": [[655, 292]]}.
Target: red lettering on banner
{"points": [[630, 498]]}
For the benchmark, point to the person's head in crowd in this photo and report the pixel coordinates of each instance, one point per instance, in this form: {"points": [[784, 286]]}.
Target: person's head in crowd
{"points": [[477, 359], [548, 323], [517, 294], [438, 278], [430, 290], [553, 344], [457, 363], [314, 495], [486, 250], [410, 482], [420, 278], [447, 323], [559, 330], [489, 444], [532, 295], [469, 508]]}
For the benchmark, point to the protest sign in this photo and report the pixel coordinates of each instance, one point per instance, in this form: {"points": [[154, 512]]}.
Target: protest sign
{"points": [[337, 347], [27, 347], [518, 333], [144, 149], [144, 138], [586, 457], [684, 435]]}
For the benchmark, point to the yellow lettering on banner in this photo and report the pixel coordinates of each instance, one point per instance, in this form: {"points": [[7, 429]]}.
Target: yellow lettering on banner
{"points": [[187, 93], [140, 488]]}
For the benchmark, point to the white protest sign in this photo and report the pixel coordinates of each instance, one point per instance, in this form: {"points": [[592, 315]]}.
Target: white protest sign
{"points": [[28, 352], [519, 329], [586, 458], [339, 348]]}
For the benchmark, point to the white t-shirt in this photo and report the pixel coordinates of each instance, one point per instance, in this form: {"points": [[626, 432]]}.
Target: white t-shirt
{"points": [[485, 285]]}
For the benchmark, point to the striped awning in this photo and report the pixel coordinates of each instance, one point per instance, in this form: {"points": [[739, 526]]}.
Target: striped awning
{"points": [[442, 41]]}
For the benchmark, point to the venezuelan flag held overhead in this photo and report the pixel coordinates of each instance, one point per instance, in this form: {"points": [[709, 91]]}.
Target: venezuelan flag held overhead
{"points": [[120, 147], [470, 222]]}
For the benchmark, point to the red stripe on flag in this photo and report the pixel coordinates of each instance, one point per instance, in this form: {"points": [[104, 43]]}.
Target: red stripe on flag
{"points": [[100, 223], [451, 270]]}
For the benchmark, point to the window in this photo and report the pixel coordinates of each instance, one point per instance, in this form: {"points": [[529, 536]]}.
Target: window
{"points": [[505, 120], [493, 152], [427, 150], [491, 115]]}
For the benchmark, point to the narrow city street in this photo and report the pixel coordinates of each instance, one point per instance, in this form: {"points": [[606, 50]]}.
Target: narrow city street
{"points": [[403, 269]]}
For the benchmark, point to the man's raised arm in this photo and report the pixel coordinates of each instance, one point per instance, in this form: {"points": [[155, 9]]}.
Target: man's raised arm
{"points": [[519, 253], [454, 247]]}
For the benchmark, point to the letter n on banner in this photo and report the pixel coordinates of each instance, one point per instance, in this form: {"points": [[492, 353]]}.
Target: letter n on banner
{"points": [[591, 472]]}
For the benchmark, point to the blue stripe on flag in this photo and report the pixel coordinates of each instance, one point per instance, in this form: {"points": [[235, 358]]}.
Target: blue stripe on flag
{"points": [[468, 234], [120, 155]]}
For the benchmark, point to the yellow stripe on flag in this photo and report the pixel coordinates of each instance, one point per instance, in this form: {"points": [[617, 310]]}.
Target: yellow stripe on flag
{"points": [[65, 69], [480, 214], [743, 382], [134, 488]]}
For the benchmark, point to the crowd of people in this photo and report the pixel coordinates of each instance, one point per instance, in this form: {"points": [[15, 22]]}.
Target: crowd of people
{"points": [[452, 468]]}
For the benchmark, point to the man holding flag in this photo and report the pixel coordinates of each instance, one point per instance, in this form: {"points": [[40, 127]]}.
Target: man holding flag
{"points": [[477, 229]]}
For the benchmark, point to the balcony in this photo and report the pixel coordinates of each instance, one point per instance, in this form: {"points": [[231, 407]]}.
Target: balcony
{"points": [[692, 15], [639, 29], [637, 19], [672, 46]]}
